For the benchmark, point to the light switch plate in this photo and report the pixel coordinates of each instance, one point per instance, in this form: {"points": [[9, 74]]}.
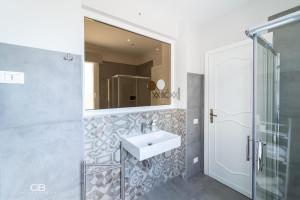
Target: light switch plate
{"points": [[195, 121], [38, 187], [10, 77], [195, 160]]}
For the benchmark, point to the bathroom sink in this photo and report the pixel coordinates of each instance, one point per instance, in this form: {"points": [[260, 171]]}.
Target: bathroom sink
{"points": [[150, 144]]}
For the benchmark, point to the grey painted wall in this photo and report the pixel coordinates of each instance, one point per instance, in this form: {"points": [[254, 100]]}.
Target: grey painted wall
{"points": [[41, 137], [195, 132], [287, 43]]}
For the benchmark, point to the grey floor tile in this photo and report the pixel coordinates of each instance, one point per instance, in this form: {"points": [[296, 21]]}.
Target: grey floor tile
{"points": [[199, 187]]}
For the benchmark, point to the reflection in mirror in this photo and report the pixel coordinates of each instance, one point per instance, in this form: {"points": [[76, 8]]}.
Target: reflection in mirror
{"points": [[122, 68], [160, 84], [151, 85]]}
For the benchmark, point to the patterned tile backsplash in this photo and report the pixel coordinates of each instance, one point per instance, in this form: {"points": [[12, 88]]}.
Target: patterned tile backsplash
{"points": [[102, 145]]}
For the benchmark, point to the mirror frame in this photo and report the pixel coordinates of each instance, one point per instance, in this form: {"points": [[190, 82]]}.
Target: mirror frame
{"points": [[98, 16]]}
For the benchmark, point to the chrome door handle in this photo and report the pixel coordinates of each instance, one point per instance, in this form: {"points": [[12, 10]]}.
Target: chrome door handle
{"points": [[248, 148], [212, 115]]}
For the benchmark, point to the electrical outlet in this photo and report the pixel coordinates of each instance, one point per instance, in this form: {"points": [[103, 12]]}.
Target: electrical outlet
{"points": [[195, 121], [195, 160]]}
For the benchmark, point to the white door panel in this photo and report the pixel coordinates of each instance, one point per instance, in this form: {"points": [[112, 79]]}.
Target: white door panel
{"points": [[230, 97]]}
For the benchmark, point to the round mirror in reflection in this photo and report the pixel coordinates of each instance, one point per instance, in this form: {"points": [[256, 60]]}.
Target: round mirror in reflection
{"points": [[160, 84]]}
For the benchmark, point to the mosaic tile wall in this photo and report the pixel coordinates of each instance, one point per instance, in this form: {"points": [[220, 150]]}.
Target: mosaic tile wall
{"points": [[102, 140]]}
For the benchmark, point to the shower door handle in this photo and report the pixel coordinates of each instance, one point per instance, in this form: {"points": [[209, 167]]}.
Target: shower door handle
{"points": [[260, 152]]}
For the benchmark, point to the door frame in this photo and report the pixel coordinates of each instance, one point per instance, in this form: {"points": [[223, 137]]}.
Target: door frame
{"points": [[206, 97]]}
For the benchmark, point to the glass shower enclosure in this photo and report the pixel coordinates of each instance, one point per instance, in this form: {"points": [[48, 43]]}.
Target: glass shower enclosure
{"points": [[128, 91], [276, 109]]}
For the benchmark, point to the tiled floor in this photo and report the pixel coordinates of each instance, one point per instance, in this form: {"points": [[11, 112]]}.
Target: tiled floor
{"points": [[200, 187]]}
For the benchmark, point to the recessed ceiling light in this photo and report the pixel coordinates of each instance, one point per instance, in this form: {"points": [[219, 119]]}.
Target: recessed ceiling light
{"points": [[128, 40]]}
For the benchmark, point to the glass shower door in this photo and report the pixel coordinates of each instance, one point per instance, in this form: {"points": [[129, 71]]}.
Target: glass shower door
{"points": [[276, 118], [271, 149]]}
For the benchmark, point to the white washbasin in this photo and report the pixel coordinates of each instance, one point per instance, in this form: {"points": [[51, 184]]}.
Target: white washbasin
{"points": [[150, 144]]}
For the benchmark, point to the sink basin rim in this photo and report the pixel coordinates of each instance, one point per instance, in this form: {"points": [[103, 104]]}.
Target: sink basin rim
{"points": [[136, 145]]}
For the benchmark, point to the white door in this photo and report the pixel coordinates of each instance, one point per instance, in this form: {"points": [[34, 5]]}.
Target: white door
{"points": [[229, 95]]}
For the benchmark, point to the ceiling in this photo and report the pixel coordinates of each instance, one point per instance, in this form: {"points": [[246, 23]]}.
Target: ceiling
{"points": [[199, 10], [116, 39]]}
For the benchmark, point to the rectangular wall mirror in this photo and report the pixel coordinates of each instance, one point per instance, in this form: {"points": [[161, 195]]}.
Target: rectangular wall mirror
{"points": [[124, 69]]}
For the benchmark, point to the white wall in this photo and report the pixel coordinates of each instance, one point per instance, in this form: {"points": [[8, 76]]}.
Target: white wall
{"points": [[181, 62], [153, 16], [58, 25], [231, 28], [53, 24]]}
